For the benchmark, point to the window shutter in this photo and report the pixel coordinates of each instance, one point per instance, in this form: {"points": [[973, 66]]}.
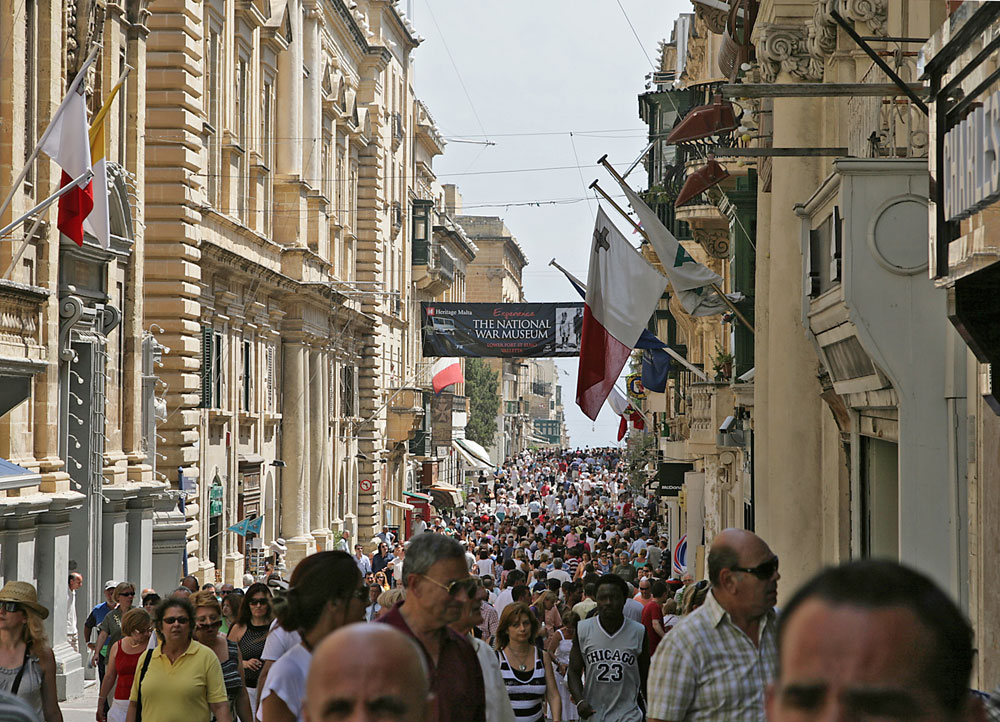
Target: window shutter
{"points": [[206, 367], [270, 379]]}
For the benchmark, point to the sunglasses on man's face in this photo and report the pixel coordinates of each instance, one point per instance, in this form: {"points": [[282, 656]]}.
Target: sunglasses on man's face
{"points": [[468, 584], [762, 571]]}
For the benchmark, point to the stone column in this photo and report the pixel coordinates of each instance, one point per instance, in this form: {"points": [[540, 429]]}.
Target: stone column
{"points": [[52, 552], [114, 543], [294, 451], [139, 520], [19, 548], [793, 479], [318, 470], [169, 541], [288, 113]]}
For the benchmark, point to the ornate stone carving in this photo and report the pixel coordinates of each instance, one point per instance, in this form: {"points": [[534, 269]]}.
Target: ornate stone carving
{"points": [[786, 48], [874, 13], [714, 241], [822, 30], [713, 18]]}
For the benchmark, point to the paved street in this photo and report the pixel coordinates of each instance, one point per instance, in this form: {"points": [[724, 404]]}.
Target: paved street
{"points": [[81, 709]]}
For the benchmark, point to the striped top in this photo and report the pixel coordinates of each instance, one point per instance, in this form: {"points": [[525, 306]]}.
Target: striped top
{"points": [[231, 671], [526, 689]]}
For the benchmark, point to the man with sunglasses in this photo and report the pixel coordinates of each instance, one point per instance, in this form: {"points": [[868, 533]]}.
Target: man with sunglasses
{"points": [[717, 663], [438, 588]]}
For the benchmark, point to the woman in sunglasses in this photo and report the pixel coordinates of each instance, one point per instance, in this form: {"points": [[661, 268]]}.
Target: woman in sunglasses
{"points": [[122, 660], [110, 630], [207, 622], [327, 593], [27, 665], [250, 633], [180, 680]]}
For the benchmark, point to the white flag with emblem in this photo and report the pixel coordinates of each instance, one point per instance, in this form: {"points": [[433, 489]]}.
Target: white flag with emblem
{"points": [[690, 281]]}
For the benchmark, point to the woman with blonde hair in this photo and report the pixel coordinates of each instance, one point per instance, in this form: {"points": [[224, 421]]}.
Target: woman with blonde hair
{"points": [[122, 661], [27, 665], [207, 621], [526, 670], [387, 600]]}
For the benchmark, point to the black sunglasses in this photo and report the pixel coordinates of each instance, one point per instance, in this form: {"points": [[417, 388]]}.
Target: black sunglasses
{"points": [[762, 571], [259, 600], [126, 594], [11, 607]]}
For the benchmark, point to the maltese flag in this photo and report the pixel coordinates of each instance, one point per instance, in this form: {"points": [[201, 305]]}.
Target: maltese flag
{"points": [[623, 290], [67, 142], [445, 372]]}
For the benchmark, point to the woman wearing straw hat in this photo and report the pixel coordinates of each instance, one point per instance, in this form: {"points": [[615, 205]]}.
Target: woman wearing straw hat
{"points": [[27, 665]]}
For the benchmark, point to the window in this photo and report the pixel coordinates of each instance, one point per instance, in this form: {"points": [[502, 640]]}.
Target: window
{"points": [[266, 151], [212, 103], [348, 391], [326, 186], [246, 386], [212, 368], [352, 199], [269, 381], [122, 110], [240, 164], [30, 87]]}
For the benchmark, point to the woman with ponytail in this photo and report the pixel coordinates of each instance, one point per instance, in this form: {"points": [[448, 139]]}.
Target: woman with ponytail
{"points": [[327, 593]]}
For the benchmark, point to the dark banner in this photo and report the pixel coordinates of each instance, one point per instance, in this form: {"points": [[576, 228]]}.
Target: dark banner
{"points": [[501, 330]]}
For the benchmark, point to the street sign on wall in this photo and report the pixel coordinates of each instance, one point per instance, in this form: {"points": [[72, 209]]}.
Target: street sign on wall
{"points": [[501, 330]]}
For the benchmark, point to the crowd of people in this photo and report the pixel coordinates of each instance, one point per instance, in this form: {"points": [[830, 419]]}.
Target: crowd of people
{"points": [[551, 595]]}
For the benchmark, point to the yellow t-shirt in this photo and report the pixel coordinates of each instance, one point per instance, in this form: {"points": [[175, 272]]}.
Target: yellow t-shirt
{"points": [[182, 691]]}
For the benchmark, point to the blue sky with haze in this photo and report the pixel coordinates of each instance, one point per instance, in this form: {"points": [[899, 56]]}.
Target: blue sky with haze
{"points": [[533, 73]]}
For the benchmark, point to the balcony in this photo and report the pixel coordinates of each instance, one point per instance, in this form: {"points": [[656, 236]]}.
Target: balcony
{"points": [[433, 270], [711, 403], [406, 412]]}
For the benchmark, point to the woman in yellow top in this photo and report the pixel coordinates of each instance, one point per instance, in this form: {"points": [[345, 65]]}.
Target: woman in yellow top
{"points": [[182, 681]]}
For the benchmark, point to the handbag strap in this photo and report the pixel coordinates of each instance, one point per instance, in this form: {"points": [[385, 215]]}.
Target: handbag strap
{"points": [[20, 673], [142, 674]]}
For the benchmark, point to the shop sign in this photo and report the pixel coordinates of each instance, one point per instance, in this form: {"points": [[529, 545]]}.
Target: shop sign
{"points": [[972, 161]]}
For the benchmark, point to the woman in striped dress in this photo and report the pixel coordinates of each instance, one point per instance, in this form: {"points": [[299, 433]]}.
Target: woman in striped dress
{"points": [[207, 620], [526, 670]]}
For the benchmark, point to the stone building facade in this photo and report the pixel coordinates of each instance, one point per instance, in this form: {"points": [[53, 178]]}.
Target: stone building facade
{"points": [[277, 186], [78, 491], [495, 277]]}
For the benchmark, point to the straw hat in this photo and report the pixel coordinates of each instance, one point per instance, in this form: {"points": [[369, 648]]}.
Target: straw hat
{"points": [[25, 594]]}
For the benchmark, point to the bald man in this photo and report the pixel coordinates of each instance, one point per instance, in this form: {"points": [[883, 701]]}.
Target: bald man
{"points": [[368, 671], [716, 665]]}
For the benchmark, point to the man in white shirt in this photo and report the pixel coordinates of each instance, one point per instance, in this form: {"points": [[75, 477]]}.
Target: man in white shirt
{"points": [[72, 629], [419, 526], [364, 564], [558, 572]]}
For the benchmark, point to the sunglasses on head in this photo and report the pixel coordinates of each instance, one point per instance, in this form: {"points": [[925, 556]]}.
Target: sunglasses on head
{"points": [[468, 584], [762, 571], [11, 607]]}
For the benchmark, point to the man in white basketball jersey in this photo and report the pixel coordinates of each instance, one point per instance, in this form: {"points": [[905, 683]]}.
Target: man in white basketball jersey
{"points": [[611, 652]]}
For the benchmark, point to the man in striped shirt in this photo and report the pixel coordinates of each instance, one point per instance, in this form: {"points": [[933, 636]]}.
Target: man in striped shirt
{"points": [[716, 664]]}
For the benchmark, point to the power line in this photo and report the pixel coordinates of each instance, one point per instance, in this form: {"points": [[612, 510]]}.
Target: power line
{"points": [[641, 46], [444, 43]]}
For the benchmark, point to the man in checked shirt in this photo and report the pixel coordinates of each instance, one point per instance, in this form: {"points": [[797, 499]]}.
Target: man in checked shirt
{"points": [[715, 665]]}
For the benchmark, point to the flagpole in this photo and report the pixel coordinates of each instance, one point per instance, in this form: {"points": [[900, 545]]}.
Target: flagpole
{"points": [[79, 181], [565, 272], [603, 160], [41, 141]]}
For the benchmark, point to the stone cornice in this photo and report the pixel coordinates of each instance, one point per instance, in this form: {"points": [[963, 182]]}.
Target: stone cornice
{"points": [[802, 48]]}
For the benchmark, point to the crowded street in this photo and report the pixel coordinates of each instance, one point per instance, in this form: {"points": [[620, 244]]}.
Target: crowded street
{"points": [[551, 594]]}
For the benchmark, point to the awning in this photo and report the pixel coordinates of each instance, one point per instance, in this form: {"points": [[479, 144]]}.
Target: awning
{"points": [[13, 476], [476, 451], [400, 504], [419, 497], [446, 496], [470, 460]]}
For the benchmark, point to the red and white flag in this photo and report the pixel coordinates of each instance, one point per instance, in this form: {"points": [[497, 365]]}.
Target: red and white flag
{"points": [[445, 372], [623, 290], [68, 144]]}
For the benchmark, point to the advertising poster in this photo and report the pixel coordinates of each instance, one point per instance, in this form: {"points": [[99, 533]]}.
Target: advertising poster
{"points": [[501, 330]]}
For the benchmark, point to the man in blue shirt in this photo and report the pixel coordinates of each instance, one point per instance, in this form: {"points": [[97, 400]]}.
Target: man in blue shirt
{"points": [[94, 619]]}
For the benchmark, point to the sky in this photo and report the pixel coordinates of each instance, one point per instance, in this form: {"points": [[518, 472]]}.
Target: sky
{"points": [[554, 85]]}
